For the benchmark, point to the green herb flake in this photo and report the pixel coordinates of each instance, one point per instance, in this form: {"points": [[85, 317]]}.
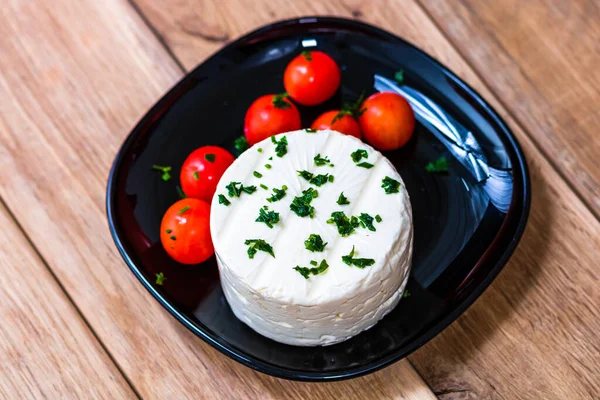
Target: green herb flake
{"points": [[358, 155], [264, 186], [310, 130], [249, 189], [320, 161], [399, 76], [241, 144], [160, 278], [306, 272], [405, 294], [357, 262], [301, 204], [270, 158], [259, 149], [168, 231], [365, 164], [278, 194], [256, 245], [320, 180], [313, 262], [184, 209], [172, 237], [268, 166], [438, 166], [390, 185], [257, 174], [280, 146], [314, 243], [306, 175], [269, 218], [279, 101], [345, 225], [366, 221], [180, 192], [166, 174], [210, 157], [378, 218], [342, 200], [196, 176], [223, 200], [234, 191]]}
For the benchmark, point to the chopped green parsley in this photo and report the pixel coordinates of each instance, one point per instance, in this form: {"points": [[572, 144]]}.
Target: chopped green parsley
{"points": [[254, 245], [166, 175], [301, 204], [268, 166], [366, 221], [234, 191], [257, 174], [241, 144], [365, 164], [438, 166], [399, 76], [342, 200], [196, 176], [280, 146], [357, 262], [313, 262], [278, 194], [310, 130], [223, 200], [307, 55], [184, 209], [405, 294], [390, 185], [160, 278], [358, 155], [269, 218], [264, 186], [210, 157], [314, 243], [378, 218], [345, 225], [306, 272], [319, 161]]}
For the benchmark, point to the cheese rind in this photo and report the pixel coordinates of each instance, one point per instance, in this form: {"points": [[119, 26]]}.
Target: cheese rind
{"points": [[266, 292]]}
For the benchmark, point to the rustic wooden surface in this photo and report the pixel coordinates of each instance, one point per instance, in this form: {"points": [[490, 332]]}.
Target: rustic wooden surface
{"points": [[76, 75], [46, 349]]}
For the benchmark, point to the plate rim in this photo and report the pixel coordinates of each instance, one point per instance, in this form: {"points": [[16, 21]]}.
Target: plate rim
{"points": [[435, 329]]}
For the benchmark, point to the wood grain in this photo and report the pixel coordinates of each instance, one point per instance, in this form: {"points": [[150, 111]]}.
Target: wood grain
{"points": [[533, 333], [548, 50], [46, 350], [76, 75]]}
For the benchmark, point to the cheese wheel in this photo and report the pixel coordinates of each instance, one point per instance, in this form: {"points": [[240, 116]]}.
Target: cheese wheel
{"points": [[278, 295]]}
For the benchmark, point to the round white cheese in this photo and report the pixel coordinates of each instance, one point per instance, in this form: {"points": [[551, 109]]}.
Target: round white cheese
{"points": [[268, 293]]}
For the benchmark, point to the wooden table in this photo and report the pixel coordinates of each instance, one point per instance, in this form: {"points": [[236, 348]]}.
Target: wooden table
{"points": [[76, 75]]}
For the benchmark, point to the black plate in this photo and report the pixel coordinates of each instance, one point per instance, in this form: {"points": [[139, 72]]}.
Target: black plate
{"points": [[461, 243]]}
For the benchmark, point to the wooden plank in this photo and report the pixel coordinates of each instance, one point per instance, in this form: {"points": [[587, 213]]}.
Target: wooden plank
{"points": [[46, 350], [533, 333], [76, 75], [541, 58]]}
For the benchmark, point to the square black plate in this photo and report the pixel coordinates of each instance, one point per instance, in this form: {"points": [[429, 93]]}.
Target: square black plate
{"points": [[461, 242]]}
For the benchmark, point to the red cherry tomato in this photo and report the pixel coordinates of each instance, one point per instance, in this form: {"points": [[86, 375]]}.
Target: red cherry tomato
{"points": [[270, 115], [202, 170], [185, 231], [343, 123], [311, 78], [388, 121]]}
